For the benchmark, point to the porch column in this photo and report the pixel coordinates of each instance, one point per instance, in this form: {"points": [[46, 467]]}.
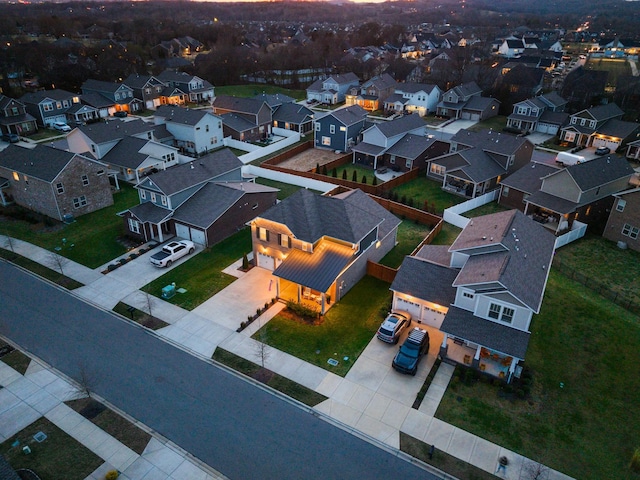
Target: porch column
{"points": [[322, 303], [475, 186], [160, 236], [277, 288], [444, 347], [375, 165], [476, 358], [299, 294], [512, 368]]}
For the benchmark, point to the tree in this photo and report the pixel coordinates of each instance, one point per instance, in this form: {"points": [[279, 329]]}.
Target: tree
{"points": [[86, 381], [334, 172], [58, 262], [147, 300], [317, 168], [534, 471], [344, 174], [364, 179], [375, 181], [245, 262], [324, 169], [9, 243], [354, 177], [262, 350]]}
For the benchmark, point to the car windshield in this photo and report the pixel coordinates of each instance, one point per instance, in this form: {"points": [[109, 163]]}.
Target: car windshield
{"points": [[409, 349], [384, 331]]}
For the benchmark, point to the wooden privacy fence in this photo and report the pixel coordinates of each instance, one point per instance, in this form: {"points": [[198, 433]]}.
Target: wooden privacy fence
{"points": [[381, 272]]}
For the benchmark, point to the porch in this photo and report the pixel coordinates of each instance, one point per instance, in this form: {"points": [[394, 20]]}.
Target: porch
{"points": [[480, 358], [314, 299]]}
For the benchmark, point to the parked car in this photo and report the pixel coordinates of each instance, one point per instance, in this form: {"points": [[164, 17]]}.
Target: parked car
{"points": [[603, 150], [171, 252], [121, 114], [10, 138], [411, 352], [393, 326], [61, 127]]}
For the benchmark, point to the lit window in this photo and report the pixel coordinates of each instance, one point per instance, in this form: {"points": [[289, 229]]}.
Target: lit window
{"points": [[343, 129], [263, 234], [326, 141], [317, 127], [284, 241], [16, 176]]}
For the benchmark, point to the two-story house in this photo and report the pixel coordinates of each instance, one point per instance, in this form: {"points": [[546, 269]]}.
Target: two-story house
{"points": [[109, 97], [478, 161], [293, 116], [466, 101], [420, 98], [333, 89], [378, 138], [600, 126], [543, 114], [14, 117], [472, 294], [194, 131], [372, 94], [623, 224], [49, 106], [146, 88], [339, 129], [581, 192], [197, 89], [318, 246], [204, 200], [239, 113], [53, 182]]}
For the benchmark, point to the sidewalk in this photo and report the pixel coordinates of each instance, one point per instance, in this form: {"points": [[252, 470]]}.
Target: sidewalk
{"points": [[371, 399]]}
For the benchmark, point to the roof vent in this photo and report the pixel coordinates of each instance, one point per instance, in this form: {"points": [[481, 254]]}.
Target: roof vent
{"points": [[484, 237], [191, 164]]}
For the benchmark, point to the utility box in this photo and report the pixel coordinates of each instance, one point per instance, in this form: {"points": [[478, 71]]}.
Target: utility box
{"points": [[168, 291]]}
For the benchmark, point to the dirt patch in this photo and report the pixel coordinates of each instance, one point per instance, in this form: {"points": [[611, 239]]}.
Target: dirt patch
{"points": [[307, 160]]}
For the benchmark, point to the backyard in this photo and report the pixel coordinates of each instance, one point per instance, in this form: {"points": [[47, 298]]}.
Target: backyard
{"points": [[410, 234], [77, 241], [360, 173], [286, 189], [343, 333], [422, 190], [202, 276]]}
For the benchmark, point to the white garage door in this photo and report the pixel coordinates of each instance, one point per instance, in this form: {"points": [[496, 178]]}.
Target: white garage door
{"points": [[182, 231], [265, 261], [198, 236], [601, 142], [475, 116], [411, 307], [547, 128]]}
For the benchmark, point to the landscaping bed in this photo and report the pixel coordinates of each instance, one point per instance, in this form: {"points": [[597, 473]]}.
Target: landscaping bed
{"points": [[139, 316]]}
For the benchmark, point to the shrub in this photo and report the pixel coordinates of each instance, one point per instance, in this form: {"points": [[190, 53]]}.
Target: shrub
{"points": [[112, 475], [375, 181], [317, 168], [111, 267], [133, 255], [245, 262], [403, 199], [364, 179], [122, 261], [344, 174], [334, 172], [635, 461], [266, 305], [324, 169], [302, 310], [354, 177]]}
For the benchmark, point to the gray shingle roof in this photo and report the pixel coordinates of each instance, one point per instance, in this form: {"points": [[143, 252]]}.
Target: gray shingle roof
{"points": [[528, 179], [602, 112], [490, 141], [207, 205], [237, 122], [479, 103], [180, 115], [555, 118], [478, 166], [96, 100], [100, 86], [600, 171], [274, 100], [150, 212], [42, 162], [402, 124], [180, 177], [126, 153], [502, 338], [6, 471], [238, 104], [39, 96], [139, 81], [410, 146], [618, 128], [349, 115], [411, 87], [113, 130], [425, 280], [396, 98], [294, 113], [553, 203]]}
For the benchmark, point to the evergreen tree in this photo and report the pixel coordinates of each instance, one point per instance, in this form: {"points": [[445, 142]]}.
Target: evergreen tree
{"points": [[364, 179], [344, 174], [354, 177], [334, 172]]}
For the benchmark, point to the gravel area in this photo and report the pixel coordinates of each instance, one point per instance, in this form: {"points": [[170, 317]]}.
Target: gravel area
{"points": [[307, 160]]}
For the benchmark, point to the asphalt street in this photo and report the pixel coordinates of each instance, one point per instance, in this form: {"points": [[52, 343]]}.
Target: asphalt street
{"points": [[233, 426]]}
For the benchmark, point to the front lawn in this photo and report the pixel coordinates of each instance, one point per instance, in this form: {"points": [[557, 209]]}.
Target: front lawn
{"points": [[496, 123], [582, 416], [410, 234], [52, 274], [201, 276], [91, 240], [346, 330], [423, 190], [59, 457]]}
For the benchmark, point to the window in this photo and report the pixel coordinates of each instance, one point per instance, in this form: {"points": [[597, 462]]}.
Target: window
{"points": [[16, 176], [621, 204], [507, 314], [163, 199], [79, 201], [505, 191], [317, 127], [59, 105], [93, 148], [285, 241], [143, 194], [99, 172], [467, 295], [306, 247], [117, 96], [134, 225], [630, 231], [343, 129], [408, 163], [494, 311], [437, 169], [14, 111], [65, 103], [214, 140], [263, 234], [498, 312], [326, 141], [85, 180], [332, 129], [47, 107], [392, 160], [59, 188], [207, 128], [153, 197]]}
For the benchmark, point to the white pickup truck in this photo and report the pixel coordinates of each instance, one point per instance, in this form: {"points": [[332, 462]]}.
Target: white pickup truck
{"points": [[171, 252]]}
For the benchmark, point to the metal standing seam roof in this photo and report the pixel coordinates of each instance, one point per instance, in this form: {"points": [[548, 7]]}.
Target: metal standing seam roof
{"points": [[317, 270]]}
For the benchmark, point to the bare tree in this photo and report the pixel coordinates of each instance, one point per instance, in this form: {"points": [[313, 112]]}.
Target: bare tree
{"points": [[86, 381], [58, 262], [147, 299], [262, 350], [533, 471], [9, 243]]}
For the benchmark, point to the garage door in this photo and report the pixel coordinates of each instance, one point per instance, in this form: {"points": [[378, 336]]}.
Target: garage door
{"points": [[265, 261], [474, 116], [547, 128], [465, 116], [198, 236], [601, 142], [182, 231], [411, 307]]}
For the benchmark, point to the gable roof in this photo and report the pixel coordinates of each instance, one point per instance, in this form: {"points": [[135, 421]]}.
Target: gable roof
{"points": [[274, 100], [96, 100], [412, 87], [180, 177], [425, 280], [400, 125], [140, 81], [599, 171], [343, 78], [41, 95], [618, 128], [101, 86], [601, 112], [480, 103], [126, 153], [42, 162], [237, 122], [238, 104], [528, 179], [410, 146], [347, 115], [180, 115], [113, 130], [489, 141], [293, 112]]}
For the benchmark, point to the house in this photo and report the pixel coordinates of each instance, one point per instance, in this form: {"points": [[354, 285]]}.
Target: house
{"points": [[332, 90], [292, 116], [14, 117], [204, 201], [411, 97], [543, 114], [600, 126], [473, 291], [318, 246], [251, 112], [194, 131], [378, 138], [581, 192], [521, 184], [274, 100], [478, 161], [633, 150], [413, 151], [454, 100], [339, 129], [146, 88], [118, 97], [197, 89], [53, 182], [511, 47], [523, 81], [372, 94], [623, 224], [49, 106]]}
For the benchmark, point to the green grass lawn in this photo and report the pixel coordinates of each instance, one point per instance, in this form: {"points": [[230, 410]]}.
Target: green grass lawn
{"points": [[615, 67], [447, 235], [582, 417], [410, 234], [350, 168], [275, 381], [423, 190], [91, 240], [496, 123], [16, 360], [591, 253], [485, 209], [346, 330], [286, 189], [256, 89], [139, 316], [59, 457], [202, 275], [45, 272]]}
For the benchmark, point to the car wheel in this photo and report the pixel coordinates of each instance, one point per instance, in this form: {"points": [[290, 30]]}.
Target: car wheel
{"points": [[413, 372], [395, 342], [169, 263], [191, 250]]}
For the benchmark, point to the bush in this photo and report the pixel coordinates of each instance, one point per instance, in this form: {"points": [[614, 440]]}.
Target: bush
{"points": [[245, 262], [133, 255], [112, 475], [302, 310], [635, 461], [364, 179], [354, 177], [122, 261], [344, 174], [375, 181], [111, 267], [334, 172], [324, 169]]}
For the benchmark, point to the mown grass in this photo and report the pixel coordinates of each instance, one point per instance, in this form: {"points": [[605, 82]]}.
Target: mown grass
{"points": [[615, 67], [112, 423], [59, 457], [582, 417], [447, 235], [410, 234], [486, 209], [91, 240], [286, 189], [345, 330], [202, 274], [252, 90], [41, 270], [423, 190], [360, 172], [278, 382], [496, 123], [139, 316]]}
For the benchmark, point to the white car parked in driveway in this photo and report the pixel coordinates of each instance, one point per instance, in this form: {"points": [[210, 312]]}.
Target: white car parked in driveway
{"points": [[171, 252], [61, 127]]}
